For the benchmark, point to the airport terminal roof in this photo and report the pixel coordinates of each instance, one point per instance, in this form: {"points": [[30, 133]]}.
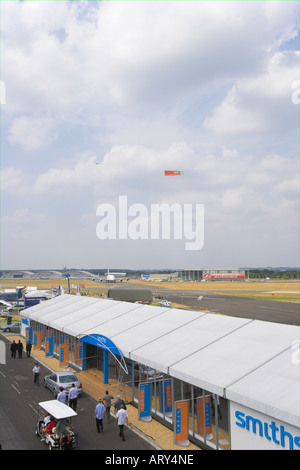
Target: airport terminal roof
{"points": [[251, 362]]}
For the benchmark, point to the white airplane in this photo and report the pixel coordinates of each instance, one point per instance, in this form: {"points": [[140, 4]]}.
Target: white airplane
{"points": [[111, 277]]}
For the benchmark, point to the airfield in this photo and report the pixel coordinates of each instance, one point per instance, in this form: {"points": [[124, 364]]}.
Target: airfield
{"points": [[276, 301], [267, 301]]}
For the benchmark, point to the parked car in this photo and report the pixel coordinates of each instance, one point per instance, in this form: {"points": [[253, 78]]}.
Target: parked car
{"points": [[13, 327], [5, 313], [62, 379], [165, 303]]}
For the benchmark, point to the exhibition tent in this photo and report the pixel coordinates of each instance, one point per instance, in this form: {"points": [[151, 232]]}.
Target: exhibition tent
{"points": [[244, 360]]}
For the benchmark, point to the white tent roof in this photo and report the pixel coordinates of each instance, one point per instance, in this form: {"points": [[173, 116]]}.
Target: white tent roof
{"points": [[247, 361]]}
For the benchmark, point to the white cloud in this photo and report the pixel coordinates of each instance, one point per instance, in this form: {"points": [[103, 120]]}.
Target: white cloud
{"points": [[22, 218], [131, 53], [258, 104], [32, 133], [203, 87]]}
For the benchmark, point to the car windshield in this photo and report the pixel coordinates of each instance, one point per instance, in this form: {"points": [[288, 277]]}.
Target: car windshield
{"points": [[64, 379]]}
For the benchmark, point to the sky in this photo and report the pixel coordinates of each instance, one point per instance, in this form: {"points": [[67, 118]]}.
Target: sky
{"points": [[99, 98]]}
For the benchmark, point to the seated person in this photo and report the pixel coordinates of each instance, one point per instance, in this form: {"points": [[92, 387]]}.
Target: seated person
{"points": [[43, 423], [49, 428], [62, 430]]}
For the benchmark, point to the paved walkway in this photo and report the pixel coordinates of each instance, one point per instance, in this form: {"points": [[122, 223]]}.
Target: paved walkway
{"points": [[154, 432]]}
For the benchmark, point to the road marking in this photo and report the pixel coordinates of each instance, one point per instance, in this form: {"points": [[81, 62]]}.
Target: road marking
{"points": [[16, 389], [33, 408], [2, 374], [272, 308]]}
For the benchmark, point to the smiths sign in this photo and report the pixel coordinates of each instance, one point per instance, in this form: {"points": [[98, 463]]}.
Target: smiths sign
{"points": [[253, 430]]}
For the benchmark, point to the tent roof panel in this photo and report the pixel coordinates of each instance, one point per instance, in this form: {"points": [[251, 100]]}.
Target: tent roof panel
{"points": [[158, 327], [245, 360], [122, 323], [181, 343], [94, 323], [226, 361], [273, 388]]}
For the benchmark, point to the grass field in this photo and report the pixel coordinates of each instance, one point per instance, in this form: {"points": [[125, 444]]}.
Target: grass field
{"points": [[288, 291], [285, 291]]}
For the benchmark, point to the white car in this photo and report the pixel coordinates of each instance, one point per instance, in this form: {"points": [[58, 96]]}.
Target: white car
{"points": [[62, 379], [14, 327]]}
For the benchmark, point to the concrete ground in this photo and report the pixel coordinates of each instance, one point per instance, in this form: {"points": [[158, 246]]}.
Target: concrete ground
{"points": [[154, 432]]}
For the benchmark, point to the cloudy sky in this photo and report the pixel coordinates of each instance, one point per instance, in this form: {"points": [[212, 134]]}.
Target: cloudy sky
{"points": [[208, 88]]}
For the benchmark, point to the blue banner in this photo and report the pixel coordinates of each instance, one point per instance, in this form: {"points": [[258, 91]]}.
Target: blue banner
{"points": [[145, 401], [29, 334], [49, 346], [166, 396]]}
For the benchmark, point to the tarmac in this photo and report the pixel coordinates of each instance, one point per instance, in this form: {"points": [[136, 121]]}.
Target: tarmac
{"points": [[159, 436]]}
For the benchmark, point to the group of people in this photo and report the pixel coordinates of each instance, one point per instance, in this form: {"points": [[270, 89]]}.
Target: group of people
{"points": [[71, 397], [103, 408], [60, 428], [18, 348]]}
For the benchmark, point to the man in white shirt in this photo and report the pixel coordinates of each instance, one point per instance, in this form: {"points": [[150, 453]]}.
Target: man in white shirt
{"points": [[36, 374], [73, 395], [121, 419]]}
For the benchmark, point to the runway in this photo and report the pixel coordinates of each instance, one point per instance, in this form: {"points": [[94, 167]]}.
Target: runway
{"points": [[256, 309]]}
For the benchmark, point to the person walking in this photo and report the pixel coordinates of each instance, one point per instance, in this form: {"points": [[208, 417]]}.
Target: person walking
{"points": [[121, 419], [28, 348], [107, 403], [20, 349], [118, 403], [73, 395], [99, 415], [13, 349], [62, 396], [36, 374]]}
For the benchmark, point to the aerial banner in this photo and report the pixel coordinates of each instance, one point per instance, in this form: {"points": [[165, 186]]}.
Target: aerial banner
{"points": [[181, 423], [145, 401], [173, 172]]}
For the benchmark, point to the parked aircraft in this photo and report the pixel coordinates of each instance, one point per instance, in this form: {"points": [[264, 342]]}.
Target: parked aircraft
{"points": [[12, 295], [111, 277]]}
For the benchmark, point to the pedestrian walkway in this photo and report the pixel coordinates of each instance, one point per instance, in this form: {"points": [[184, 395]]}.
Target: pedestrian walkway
{"points": [[154, 432]]}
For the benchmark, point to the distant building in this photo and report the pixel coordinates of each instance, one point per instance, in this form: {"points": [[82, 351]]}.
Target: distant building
{"points": [[18, 274], [210, 274]]}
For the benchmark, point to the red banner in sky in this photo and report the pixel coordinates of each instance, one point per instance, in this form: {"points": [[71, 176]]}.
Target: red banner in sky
{"points": [[173, 172]]}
